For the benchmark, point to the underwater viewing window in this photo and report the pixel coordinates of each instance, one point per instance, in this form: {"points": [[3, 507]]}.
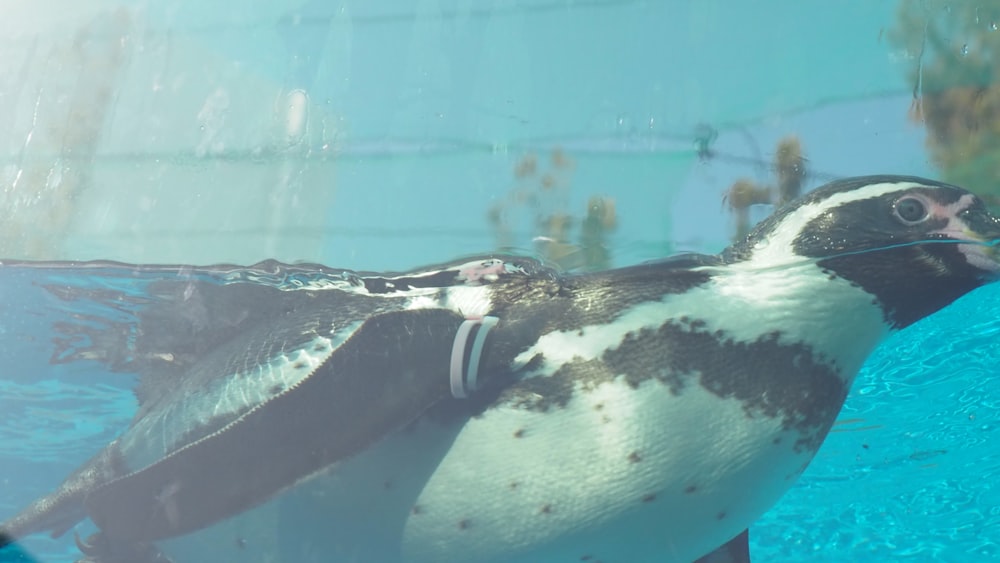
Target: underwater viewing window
{"points": [[458, 206]]}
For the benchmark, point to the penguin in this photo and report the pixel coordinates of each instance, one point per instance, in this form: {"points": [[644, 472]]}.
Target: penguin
{"points": [[495, 409]]}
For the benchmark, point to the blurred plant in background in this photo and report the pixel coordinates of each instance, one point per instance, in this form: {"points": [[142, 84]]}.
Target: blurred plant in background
{"points": [[955, 48], [790, 168], [542, 192]]}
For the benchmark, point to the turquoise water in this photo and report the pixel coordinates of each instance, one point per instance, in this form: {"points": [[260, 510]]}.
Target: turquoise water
{"points": [[911, 470]]}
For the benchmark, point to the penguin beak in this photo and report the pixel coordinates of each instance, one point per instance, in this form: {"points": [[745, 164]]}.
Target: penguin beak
{"points": [[982, 229], [981, 225]]}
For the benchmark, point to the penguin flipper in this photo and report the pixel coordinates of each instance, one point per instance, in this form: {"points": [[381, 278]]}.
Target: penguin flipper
{"points": [[736, 550], [389, 372]]}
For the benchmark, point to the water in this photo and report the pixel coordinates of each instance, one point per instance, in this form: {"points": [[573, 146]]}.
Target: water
{"points": [[912, 469], [909, 471]]}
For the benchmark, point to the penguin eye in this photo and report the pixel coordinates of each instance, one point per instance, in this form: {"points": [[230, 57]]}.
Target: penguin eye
{"points": [[910, 210]]}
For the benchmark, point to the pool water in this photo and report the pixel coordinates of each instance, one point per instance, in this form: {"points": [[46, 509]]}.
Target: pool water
{"points": [[911, 470]]}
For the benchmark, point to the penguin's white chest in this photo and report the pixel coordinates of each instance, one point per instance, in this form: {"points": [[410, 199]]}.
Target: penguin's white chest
{"points": [[619, 473]]}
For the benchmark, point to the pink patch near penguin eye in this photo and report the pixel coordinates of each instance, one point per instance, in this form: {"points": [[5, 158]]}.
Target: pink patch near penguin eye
{"points": [[956, 228]]}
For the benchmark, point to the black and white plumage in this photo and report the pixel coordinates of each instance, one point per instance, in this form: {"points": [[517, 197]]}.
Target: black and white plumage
{"points": [[646, 413]]}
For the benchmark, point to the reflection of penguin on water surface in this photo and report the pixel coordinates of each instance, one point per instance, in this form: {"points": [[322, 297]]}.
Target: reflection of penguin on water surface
{"points": [[496, 410]]}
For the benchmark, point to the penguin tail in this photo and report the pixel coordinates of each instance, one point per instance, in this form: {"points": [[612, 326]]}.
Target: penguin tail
{"points": [[58, 512], [55, 513]]}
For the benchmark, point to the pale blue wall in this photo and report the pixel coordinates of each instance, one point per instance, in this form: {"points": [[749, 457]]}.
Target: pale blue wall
{"points": [[417, 115]]}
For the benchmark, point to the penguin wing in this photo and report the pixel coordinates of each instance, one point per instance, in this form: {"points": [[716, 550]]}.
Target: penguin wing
{"points": [[196, 455], [386, 374]]}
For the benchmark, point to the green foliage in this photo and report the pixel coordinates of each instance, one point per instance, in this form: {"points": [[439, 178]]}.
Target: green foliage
{"points": [[542, 192], [955, 52], [790, 168]]}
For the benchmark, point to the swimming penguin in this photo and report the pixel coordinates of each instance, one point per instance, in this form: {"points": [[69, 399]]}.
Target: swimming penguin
{"points": [[497, 410]]}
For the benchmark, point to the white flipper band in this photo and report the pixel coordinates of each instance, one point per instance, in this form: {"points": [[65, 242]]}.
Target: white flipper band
{"points": [[463, 381]]}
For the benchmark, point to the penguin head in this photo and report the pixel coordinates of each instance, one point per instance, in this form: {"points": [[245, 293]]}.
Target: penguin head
{"points": [[915, 245]]}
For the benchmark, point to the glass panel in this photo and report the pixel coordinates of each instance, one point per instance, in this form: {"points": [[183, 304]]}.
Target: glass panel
{"points": [[385, 136]]}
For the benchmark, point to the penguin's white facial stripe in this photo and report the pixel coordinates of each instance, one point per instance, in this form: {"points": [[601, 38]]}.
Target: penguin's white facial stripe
{"points": [[955, 227], [978, 254], [777, 249]]}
